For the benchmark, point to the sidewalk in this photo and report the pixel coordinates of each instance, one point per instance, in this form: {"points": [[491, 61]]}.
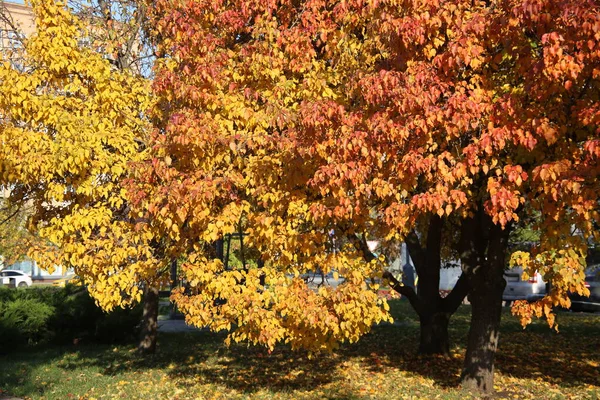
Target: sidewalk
{"points": [[173, 325], [179, 325]]}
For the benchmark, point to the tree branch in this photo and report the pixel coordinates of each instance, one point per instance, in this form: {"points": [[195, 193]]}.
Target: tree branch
{"points": [[6, 17], [361, 245], [10, 216], [406, 291], [415, 250], [458, 293]]}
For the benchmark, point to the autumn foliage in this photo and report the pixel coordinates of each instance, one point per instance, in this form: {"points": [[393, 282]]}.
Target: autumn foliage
{"points": [[308, 128], [70, 125], [298, 121]]}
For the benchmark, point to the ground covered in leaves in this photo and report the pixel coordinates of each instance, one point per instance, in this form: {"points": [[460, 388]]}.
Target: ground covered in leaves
{"points": [[535, 363]]}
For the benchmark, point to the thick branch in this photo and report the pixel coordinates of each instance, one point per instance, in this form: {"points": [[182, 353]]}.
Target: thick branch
{"points": [[472, 244], [415, 250], [361, 245], [406, 291], [433, 243], [429, 272], [451, 302]]}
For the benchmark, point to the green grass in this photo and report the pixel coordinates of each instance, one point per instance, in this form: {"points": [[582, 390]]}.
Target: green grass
{"points": [[535, 363]]}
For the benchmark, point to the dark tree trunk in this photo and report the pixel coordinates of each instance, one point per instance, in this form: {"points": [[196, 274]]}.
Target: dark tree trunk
{"points": [[434, 312], [149, 332], [174, 284], [434, 337], [478, 372], [434, 321], [483, 256]]}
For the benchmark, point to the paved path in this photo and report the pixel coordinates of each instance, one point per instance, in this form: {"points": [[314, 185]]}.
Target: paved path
{"points": [[174, 325], [179, 325]]}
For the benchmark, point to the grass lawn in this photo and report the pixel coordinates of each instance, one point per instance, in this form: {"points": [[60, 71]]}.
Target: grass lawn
{"points": [[535, 363]]}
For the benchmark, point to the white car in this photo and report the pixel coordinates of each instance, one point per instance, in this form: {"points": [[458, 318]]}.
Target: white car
{"points": [[20, 278], [519, 289]]}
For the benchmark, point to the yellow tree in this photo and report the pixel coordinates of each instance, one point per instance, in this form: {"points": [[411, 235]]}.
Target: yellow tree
{"points": [[14, 237], [69, 125], [218, 158]]}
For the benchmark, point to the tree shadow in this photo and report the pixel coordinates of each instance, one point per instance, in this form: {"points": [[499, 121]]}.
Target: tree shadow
{"points": [[568, 359], [250, 369]]}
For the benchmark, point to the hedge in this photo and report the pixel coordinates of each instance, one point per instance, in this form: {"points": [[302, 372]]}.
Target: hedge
{"points": [[49, 314]]}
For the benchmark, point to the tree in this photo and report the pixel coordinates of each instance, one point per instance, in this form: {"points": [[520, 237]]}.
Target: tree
{"points": [[13, 233], [499, 103], [116, 29], [231, 116], [268, 110], [294, 121], [70, 125], [217, 167]]}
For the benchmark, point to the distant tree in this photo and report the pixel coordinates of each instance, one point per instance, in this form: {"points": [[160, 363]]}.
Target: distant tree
{"points": [[117, 29], [13, 233], [71, 122]]}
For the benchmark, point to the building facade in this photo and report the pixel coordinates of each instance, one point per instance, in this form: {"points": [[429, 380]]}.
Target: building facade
{"points": [[16, 21]]}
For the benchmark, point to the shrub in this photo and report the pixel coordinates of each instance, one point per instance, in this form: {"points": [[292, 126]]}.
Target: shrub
{"points": [[76, 315], [70, 313], [119, 325], [7, 294], [23, 321]]}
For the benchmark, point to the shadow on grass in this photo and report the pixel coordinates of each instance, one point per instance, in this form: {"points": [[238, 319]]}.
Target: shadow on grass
{"points": [[568, 359]]}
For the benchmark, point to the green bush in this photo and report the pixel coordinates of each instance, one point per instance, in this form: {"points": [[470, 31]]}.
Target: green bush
{"points": [[73, 315], [119, 325], [76, 315], [7, 294], [23, 321]]}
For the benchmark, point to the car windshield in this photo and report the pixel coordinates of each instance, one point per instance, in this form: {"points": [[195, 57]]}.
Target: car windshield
{"points": [[514, 271], [12, 273], [593, 272]]}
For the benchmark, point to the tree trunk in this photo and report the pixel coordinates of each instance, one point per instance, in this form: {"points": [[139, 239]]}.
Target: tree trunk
{"points": [[434, 337], [483, 256], [478, 372], [149, 332], [433, 320], [434, 312], [174, 284]]}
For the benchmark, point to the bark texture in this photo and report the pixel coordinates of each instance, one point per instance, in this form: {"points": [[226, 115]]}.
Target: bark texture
{"points": [[433, 310], [434, 337], [149, 331], [483, 257]]}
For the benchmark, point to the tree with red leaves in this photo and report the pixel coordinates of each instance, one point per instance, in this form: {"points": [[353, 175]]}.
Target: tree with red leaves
{"points": [[290, 120]]}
